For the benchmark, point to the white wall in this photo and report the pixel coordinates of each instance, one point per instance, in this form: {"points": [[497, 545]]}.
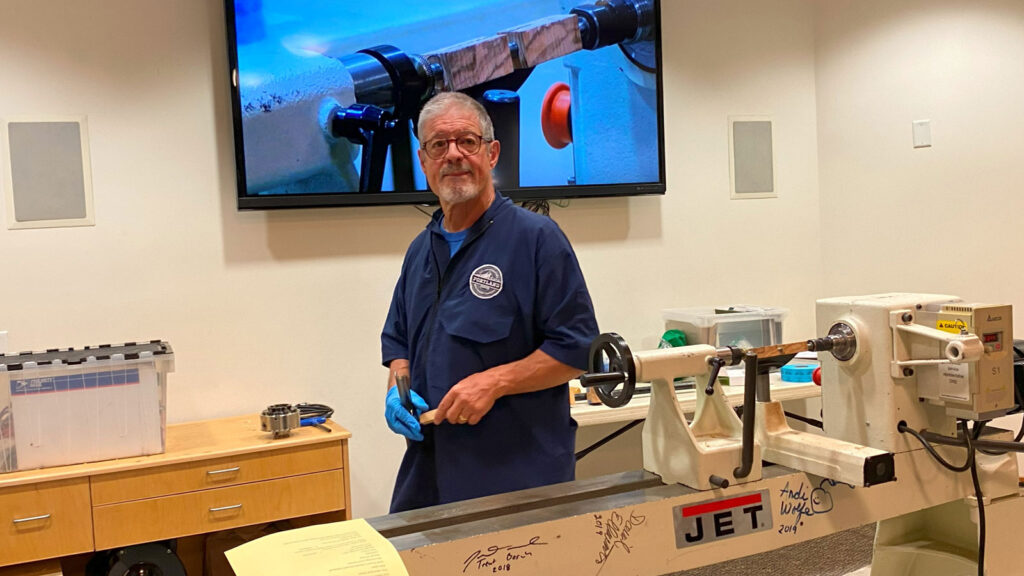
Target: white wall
{"points": [[943, 219], [287, 306], [695, 246]]}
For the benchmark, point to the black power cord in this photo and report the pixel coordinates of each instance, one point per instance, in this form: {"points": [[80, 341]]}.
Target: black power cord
{"points": [[1018, 353], [1020, 403], [809, 421], [902, 427], [538, 206], [981, 501], [976, 429], [582, 453], [307, 410], [971, 464]]}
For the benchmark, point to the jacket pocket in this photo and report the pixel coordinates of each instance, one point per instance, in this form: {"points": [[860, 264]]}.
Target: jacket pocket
{"points": [[482, 327]]}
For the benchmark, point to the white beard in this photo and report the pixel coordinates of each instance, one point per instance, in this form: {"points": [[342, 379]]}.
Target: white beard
{"points": [[455, 193], [451, 192]]}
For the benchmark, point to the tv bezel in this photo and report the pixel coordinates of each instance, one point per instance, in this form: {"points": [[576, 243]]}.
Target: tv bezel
{"points": [[426, 197]]}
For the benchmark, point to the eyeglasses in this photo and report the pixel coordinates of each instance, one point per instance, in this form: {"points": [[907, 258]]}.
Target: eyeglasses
{"points": [[467, 143]]}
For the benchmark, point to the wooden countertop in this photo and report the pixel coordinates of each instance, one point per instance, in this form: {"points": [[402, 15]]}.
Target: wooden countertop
{"points": [[187, 442]]}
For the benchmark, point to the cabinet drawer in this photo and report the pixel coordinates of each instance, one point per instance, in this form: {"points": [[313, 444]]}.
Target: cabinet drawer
{"points": [[218, 472], [217, 509], [45, 520]]}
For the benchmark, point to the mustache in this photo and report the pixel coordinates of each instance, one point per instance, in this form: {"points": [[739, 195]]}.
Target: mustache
{"points": [[453, 168]]}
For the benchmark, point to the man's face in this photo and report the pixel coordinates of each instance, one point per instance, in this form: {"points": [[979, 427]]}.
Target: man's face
{"points": [[457, 176]]}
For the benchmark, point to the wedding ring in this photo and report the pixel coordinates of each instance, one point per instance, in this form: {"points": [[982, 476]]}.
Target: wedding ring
{"points": [[463, 419]]}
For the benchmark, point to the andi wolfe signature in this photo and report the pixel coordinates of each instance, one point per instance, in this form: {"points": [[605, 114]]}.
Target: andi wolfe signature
{"points": [[500, 558], [615, 531], [801, 502]]}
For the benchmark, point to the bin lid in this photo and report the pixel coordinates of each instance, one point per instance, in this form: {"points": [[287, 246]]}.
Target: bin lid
{"points": [[706, 316], [72, 356]]}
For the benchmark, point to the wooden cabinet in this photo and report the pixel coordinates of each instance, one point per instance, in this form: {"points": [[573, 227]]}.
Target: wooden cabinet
{"points": [[216, 509], [214, 475], [45, 520]]}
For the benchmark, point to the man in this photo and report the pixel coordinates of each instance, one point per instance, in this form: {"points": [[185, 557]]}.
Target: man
{"points": [[489, 319]]}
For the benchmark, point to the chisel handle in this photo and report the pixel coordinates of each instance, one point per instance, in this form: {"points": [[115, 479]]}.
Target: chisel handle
{"points": [[402, 381]]}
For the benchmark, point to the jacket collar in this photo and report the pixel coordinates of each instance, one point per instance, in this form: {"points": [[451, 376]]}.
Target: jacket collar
{"points": [[498, 205]]}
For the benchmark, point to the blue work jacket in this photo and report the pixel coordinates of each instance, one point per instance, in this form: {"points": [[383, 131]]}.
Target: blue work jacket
{"points": [[513, 286]]}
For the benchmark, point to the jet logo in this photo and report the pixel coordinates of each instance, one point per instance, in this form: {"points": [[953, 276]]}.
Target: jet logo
{"points": [[713, 520]]}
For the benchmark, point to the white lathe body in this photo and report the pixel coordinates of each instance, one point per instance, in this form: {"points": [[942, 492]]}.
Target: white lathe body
{"points": [[893, 366]]}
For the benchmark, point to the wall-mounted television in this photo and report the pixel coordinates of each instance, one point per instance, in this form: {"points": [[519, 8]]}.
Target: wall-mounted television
{"points": [[326, 94]]}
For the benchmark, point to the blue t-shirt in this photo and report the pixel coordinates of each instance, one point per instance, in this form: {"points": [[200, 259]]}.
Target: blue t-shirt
{"points": [[513, 287], [454, 239]]}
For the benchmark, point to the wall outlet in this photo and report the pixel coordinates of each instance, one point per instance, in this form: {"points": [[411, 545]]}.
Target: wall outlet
{"points": [[922, 133], [3, 341]]}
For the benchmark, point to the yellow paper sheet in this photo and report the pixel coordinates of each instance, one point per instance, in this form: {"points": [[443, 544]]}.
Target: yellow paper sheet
{"points": [[349, 548]]}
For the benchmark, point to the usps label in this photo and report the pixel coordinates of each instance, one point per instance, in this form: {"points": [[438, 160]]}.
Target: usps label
{"points": [[714, 520], [84, 416], [79, 381], [955, 381]]}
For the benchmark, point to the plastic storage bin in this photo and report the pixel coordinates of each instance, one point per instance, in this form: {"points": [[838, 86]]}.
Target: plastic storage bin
{"points": [[743, 326], [71, 406]]}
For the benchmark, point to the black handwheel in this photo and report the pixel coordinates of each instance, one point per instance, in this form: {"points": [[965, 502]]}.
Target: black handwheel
{"points": [[611, 366]]}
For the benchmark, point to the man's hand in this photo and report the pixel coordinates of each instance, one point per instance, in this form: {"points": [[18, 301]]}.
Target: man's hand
{"points": [[469, 400], [474, 396], [400, 420]]}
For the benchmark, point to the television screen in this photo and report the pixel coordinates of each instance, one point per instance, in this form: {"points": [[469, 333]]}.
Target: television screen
{"points": [[326, 94]]}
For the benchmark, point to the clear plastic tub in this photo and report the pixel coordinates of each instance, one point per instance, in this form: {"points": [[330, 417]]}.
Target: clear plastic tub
{"points": [[71, 406], [742, 326]]}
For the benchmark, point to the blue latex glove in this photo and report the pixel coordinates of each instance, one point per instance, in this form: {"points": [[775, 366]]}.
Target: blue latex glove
{"points": [[399, 419]]}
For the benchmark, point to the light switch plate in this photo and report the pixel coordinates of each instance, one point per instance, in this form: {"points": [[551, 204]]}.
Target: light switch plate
{"points": [[922, 133]]}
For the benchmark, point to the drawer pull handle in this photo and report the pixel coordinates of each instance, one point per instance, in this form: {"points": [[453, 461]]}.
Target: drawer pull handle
{"points": [[32, 519], [222, 508], [224, 471]]}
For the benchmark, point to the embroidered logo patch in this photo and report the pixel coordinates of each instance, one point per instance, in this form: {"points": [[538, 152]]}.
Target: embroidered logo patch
{"points": [[485, 282]]}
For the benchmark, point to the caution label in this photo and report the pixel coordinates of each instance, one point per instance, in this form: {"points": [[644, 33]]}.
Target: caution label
{"points": [[954, 326]]}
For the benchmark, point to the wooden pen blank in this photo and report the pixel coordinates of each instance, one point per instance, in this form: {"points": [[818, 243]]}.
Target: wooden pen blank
{"points": [[545, 39], [474, 62]]}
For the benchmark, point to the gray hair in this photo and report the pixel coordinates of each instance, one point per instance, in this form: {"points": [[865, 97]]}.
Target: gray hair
{"points": [[445, 101]]}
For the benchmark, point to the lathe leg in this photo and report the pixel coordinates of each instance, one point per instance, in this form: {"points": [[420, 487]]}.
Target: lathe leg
{"points": [[943, 540]]}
